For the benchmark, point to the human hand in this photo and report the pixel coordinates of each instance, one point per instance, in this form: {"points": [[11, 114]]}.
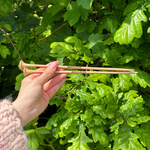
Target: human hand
{"points": [[36, 91]]}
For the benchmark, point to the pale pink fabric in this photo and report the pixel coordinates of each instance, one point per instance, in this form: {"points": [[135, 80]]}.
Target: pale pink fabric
{"points": [[12, 136], [1, 147]]}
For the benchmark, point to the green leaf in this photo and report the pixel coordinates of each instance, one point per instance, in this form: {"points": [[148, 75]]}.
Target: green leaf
{"points": [[115, 83], [105, 3], [124, 81], [104, 78], [4, 51], [61, 49], [143, 133], [42, 130], [125, 139], [94, 39], [137, 42], [131, 95], [40, 148], [134, 53], [87, 56], [130, 8], [67, 137], [41, 134], [142, 78], [89, 25], [125, 59], [10, 19], [80, 140], [5, 6], [69, 125], [131, 27], [83, 95], [19, 78], [87, 116], [73, 105], [98, 134], [85, 4], [75, 13], [58, 6], [148, 6], [54, 119], [148, 30], [47, 32], [7, 26], [103, 89], [76, 77], [100, 109], [97, 50], [44, 50], [78, 44], [99, 120], [115, 127], [33, 140], [132, 106], [109, 41], [109, 23], [111, 57], [140, 119], [68, 122], [131, 123]]}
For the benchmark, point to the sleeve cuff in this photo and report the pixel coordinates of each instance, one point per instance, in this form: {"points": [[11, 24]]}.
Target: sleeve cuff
{"points": [[12, 136]]}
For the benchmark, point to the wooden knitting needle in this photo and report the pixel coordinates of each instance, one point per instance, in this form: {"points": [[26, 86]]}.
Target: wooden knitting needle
{"points": [[23, 65], [28, 71]]}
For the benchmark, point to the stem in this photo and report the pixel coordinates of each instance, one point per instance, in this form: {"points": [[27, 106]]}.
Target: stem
{"points": [[11, 42], [50, 144], [2, 14], [54, 31], [143, 92], [74, 87]]}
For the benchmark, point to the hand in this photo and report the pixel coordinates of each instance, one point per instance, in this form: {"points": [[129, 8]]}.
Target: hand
{"points": [[36, 91]]}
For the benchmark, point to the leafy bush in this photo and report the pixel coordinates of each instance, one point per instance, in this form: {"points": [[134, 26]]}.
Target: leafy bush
{"points": [[100, 112]]}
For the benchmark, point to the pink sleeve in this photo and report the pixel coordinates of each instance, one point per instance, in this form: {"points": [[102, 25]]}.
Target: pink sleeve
{"points": [[12, 136]]}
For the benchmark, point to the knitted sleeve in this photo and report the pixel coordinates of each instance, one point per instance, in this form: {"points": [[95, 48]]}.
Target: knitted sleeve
{"points": [[12, 136]]}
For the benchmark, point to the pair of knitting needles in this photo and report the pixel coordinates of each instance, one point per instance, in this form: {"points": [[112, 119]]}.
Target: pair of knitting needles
{"points": [[23, 65]]}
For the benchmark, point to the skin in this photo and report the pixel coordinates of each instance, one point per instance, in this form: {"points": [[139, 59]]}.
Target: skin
{"points": [[36, 91]]}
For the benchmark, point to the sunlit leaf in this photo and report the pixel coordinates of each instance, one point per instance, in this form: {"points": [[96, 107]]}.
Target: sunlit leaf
{"points": [[131, 27], [98, 134], [75, 13], [80, 140]]}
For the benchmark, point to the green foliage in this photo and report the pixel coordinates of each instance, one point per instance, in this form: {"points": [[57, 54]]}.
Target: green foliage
{"points": [[101, 112], [5, 6], [80, 140]]}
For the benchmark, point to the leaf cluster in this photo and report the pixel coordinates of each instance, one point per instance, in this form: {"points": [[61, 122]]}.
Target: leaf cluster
{"points": [[101, 112]]}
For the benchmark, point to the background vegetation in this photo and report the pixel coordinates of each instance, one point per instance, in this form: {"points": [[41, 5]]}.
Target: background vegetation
{"points": [[90, 112]]}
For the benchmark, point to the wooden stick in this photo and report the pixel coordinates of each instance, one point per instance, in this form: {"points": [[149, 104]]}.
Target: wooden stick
{"points": [[23, 65], [28, 71]]}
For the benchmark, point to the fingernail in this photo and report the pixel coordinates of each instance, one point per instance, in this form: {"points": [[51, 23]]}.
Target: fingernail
{"points": [[52, 65]]}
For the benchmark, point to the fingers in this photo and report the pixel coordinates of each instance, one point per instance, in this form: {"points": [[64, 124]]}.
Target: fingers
{"points": [[54, 81], [55, 88], [35, 75], [47, 74]]}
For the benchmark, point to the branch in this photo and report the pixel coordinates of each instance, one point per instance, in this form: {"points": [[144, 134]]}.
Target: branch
{"points": [[11, 42], [74, 87], [54, 31], [2, 14], [143, 92]]}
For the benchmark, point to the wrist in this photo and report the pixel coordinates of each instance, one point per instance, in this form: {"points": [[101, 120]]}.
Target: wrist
{"points": [[23, 112]]}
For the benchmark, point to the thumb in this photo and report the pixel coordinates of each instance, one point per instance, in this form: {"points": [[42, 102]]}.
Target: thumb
{"points": [[48, 73]]}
